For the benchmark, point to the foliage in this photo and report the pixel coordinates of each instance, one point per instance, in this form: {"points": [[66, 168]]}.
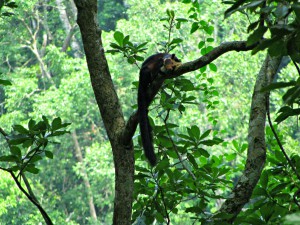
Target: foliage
{"points": [[280, 21], [110, 12], [34, 138], [7, 4], [199, 120]]}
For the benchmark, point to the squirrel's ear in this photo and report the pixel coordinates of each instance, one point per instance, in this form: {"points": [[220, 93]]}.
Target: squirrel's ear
{"points": [[173, 56]]}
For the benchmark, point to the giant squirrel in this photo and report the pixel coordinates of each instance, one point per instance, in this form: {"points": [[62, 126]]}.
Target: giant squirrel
{"points": [[151, 67]]}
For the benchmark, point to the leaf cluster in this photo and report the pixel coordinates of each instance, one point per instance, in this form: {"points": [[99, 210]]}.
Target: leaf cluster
{"points": [[7, 4], [35, 139], [129, 50], [276, 194], [284, 36]]}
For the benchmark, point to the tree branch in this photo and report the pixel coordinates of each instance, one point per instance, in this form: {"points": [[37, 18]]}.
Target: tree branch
{"points": [[43, 212], [256, 154]]}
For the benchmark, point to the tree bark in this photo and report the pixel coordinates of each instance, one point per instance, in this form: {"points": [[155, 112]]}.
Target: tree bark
{"points": [[84, 176], [110, 109]]}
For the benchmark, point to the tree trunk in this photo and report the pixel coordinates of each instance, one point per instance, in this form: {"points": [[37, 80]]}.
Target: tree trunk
{"points": [[84, 176], [68, 28], [110, 109]]}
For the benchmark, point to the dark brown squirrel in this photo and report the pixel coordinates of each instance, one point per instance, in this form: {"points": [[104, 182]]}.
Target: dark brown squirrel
{"points": [[151, 67]]}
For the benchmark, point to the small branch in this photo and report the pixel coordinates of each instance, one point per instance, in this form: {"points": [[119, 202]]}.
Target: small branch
{"points": [[176, 150], [279, 142], [162, 198], [7, 170], [297, 67], [42, 211], [3, 133], [295, 198], [68, 38]]}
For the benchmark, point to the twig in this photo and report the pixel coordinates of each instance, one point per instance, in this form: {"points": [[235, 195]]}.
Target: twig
{"points": [[43, 212], [278, 140], [297, 67], [3, 133], [163, 199], [175, 147]]}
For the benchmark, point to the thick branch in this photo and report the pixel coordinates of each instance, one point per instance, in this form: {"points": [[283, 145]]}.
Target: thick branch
{"points": [[256, 155], [211, 56], [131, 124]]}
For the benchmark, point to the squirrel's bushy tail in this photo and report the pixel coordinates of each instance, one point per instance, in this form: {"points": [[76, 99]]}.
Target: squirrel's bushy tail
{"points": [[145, 128]]}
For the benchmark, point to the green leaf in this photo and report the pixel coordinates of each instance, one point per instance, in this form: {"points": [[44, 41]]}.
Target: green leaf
{"points": [[267, 210], [279, 188], [142, 45], [20, 129], [194, 209], [126, 40], [278, 49], [195, 26], [202, 69], [5, 82], [31, 124], [238, 6], [17, 139], [16, 151], [201, 44], [119, 36], [28, 143], [56, 124], [213, 67], [210, 40], [279, 155], [35, 158], [252, 26], [181, 19], [230, 157], [32, 169], [9, 158], [257, 35], [234, 8], [49, 154], [163, 164], [265, 43], [192, 160], [209, 30], [131, 60], [264, 179], [117, 47], [176, 41], [205, 134], [58, 133], [159, 217], [194, 132], [296, 8], [214, 141], [291, 95], [293, 48]]}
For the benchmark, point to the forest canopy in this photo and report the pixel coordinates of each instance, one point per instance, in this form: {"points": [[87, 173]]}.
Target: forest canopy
{"points": [[224, 121]]}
